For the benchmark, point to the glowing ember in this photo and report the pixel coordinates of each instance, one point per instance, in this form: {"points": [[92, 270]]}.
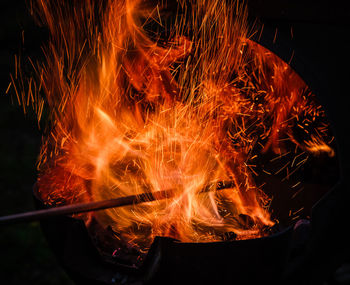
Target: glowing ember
{"points": [[141, 100]]}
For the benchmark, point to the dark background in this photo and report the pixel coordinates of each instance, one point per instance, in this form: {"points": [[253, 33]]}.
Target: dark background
{"points": [[321, 56]]}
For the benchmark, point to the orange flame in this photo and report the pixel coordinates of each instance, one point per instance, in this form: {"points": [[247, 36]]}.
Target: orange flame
{"points": [[142, 101]]}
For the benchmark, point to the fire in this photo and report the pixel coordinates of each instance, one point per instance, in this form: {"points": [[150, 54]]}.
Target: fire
{"points": [[143, 100]]}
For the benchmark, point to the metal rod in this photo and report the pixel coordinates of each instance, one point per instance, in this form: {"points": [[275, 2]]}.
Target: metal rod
{"points": [[100, 205]]}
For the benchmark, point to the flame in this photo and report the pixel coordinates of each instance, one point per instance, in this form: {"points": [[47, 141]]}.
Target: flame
{"points": [[317, 146], [143, 101]]}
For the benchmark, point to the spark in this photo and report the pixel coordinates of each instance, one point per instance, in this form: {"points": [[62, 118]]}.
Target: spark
{"points": [[135, 109]]}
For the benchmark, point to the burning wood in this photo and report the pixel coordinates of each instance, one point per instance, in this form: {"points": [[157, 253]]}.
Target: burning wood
{"points": [[141, 101]]}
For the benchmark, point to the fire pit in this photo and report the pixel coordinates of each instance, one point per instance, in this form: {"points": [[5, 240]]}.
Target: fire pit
{"points": [[170, 261], [143, 100]]}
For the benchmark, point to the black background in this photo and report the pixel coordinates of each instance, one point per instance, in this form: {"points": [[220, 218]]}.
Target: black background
{"points": [[321, 57]]}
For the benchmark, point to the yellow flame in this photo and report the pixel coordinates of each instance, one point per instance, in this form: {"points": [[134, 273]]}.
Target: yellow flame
{"points": [[133, 111]]}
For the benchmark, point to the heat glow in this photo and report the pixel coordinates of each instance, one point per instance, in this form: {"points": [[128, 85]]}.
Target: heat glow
{"points": [[144, 96]]}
